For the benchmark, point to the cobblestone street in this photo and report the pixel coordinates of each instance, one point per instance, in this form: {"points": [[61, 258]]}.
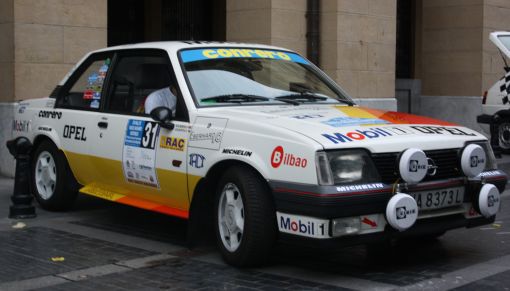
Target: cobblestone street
{"points": [[104, 246]]}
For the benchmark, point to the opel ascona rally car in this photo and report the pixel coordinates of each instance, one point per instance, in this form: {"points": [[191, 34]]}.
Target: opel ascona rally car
{"points": [[260, 138]]}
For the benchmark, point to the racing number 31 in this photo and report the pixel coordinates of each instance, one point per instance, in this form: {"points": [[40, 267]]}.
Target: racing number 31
{"points": [[150, 134]]}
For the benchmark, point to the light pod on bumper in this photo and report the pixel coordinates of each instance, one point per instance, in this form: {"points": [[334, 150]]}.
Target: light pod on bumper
{"points": [[473, 160], [401, 211], [489, 200], [413, 165]]}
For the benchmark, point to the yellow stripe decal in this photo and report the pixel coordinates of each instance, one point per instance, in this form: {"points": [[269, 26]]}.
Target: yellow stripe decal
{"points": [[105, 179]]}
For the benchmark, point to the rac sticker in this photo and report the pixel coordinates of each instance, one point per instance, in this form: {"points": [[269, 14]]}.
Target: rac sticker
{"points": [[172, 143]]}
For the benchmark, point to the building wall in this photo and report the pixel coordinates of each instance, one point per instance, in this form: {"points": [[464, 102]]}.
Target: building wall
{"points": [[451, 47], [358, 40], [50, 36], [40, 40], [6, 50], [274, 22]]}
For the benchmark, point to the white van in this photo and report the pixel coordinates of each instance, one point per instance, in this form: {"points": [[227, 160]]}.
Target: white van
{"points": [[495, 117]]}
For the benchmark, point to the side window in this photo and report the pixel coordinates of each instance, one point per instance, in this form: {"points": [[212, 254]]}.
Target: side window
{"points": [[138, 75], [87, 90]]}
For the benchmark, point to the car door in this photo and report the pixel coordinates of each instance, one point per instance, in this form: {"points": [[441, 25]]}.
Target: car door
{"points": [[134, 155], [78, 103]]}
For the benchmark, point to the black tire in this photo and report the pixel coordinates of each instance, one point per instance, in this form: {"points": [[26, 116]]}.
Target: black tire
{"points": [[62, 194], [260, 231], [503, 134]]}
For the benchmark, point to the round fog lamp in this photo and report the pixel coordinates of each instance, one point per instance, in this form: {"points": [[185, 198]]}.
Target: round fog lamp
{"points": [[473, 160], [413, 165], [401, 211], [489, 200]]}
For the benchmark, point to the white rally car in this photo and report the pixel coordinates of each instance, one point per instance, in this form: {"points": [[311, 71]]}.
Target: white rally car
{"points": [[262, 140]]}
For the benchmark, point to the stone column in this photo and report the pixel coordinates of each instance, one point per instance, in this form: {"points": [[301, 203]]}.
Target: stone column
{"points": [[358, 39], [7, 163], [273, 22]]}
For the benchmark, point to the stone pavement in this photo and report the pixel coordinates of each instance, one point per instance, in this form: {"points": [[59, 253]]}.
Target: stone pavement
{"points": [[105, 246]]}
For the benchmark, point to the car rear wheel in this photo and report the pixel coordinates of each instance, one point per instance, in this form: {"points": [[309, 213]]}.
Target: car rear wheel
{"points": [[52, 181], [245, 218], [504, 136]]}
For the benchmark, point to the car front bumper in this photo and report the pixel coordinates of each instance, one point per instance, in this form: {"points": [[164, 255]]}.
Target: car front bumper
{"points": [[327, 204]]}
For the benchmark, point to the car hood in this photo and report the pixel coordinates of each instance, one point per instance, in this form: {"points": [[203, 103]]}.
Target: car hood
{"points": [[339, 126]]}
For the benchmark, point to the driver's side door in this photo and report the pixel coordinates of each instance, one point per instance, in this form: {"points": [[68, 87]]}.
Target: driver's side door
{"points": [[136, 158]]}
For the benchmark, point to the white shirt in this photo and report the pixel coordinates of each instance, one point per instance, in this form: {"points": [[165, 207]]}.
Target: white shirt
{"points": [[161, 97]]}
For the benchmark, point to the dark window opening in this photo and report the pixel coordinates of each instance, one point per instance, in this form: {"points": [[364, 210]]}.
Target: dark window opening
{"points": [[133, 21], [405, 38]]}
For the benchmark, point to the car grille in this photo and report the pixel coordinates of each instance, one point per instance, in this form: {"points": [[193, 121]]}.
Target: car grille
{"points": [[447, 162]]}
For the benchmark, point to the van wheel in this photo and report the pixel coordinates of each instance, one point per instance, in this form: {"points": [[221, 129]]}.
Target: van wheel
{"points": [[245, 218], [53, 184], [504, 136]]}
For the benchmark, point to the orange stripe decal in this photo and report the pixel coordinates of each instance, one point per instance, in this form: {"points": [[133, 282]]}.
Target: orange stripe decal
{"points": [[96, 191], [404, 118]]}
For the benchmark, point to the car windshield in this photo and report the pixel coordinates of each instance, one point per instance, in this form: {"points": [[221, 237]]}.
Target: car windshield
{"points": [[226, 76]]}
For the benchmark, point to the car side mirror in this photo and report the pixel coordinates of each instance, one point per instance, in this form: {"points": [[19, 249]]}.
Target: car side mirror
{"points": [[163, 115]]}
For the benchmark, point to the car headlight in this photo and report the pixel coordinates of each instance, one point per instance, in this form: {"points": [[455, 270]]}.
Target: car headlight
{"points": [[491, 163], [345, 167]]}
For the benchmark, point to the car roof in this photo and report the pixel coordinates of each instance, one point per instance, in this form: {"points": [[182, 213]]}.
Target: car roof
{"points": [[174, 46]]}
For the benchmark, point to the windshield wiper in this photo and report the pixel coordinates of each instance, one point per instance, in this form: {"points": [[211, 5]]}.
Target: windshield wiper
{"points": [[235, 98], [302, 96], [309, 96]]}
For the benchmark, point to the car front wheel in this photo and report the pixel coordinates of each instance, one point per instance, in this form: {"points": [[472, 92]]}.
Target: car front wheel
{"points": [[52, 180], [245, 218]]}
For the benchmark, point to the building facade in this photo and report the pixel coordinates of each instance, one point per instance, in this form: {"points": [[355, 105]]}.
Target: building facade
{"points": [[429, 57]]}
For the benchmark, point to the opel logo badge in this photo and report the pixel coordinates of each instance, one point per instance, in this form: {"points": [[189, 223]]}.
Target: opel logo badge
{"points": [[431, 168]]}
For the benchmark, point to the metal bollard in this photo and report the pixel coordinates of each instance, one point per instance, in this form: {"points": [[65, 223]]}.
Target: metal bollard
{"points": [[21, 198]]}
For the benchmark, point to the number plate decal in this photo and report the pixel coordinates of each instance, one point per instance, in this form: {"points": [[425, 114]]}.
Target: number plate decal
{"points": [[439, 198], [139, 153]]}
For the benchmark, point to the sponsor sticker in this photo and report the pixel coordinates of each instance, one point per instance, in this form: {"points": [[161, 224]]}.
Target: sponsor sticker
{"points": [[350, 121], [303, 225], [207, 133], [224, 53], [237, 152], [139, 154], [88, 94], [94, 104], [74, 132], [362, 187], [357, 135], [280, 157], [441, 130], [196, 160], [307, 116], [172, 143], [50, 114], [21, 125]]}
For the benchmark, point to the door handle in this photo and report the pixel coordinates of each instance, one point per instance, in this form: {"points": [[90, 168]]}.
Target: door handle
{"points": [[102, 124]]}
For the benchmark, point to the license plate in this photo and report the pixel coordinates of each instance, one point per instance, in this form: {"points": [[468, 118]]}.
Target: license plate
{"points": [[439, 198]]}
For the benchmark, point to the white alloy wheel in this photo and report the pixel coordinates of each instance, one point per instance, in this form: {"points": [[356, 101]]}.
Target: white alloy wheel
{"points": [[45, 175], [231, 217]]}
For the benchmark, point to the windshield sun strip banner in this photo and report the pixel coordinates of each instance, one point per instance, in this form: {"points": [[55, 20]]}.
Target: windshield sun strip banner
{"points": [[225, 53]]}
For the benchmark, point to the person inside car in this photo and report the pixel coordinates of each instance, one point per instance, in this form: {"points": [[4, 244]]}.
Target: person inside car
{"points": [[163, 97]]}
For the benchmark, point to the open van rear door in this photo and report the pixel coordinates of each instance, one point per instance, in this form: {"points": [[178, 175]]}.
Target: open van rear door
{"points": [[502, 40]]}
